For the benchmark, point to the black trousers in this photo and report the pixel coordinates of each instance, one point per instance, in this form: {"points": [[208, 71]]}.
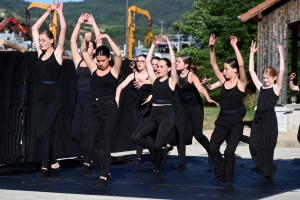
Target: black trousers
{"points": [[81, 116], [224, 168], [103, 120], [162, 119], [140, 114], [195, 114], [46, 112]]}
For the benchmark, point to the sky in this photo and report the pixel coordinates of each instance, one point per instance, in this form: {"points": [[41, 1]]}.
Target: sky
{"points": [[51, 1]]}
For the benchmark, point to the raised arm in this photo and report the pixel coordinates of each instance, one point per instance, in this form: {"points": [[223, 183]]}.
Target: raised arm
{"points": [[128, 79], [92, 22], [213, 61], [291, 84], [62, 34], [73, 42], [116, 70], [87, 58], [253, 75], [242, 73], [279, 81], [35, 28], [174, 76], [201, 89], [149, 67]]}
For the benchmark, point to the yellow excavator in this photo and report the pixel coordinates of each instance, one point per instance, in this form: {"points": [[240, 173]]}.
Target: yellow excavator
{"points": [[53, 26], [131, 28]]}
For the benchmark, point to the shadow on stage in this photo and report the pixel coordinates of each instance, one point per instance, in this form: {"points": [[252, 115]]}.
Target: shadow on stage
{"points": [[130, 180]]}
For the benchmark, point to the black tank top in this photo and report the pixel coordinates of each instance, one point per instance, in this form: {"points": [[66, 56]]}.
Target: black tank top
{"points": [[231, 99], [267, 99], [141, 93], [186, 91], [103, 85], [83, 80], [48, 75], [162, 93]]}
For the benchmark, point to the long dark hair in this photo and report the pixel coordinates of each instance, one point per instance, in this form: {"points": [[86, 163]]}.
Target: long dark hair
{"points": [[104, 51]]}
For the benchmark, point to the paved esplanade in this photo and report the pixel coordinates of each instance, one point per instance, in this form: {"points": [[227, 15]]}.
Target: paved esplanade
{"points": [[132, 181]]}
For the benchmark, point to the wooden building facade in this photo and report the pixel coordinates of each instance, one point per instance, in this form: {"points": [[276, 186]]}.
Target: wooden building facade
{"points": [[276, 19]]}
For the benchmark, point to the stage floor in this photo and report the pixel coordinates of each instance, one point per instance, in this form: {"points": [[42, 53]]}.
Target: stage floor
{"points": [[137, 181]]}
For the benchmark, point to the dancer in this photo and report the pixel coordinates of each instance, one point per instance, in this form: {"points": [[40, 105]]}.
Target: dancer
{"points": [[140, 92], [294, 88], [190, 109], [264, 129], [162, 116], [48, 102], [242, 109], [229, 121], [82, 108], [104, 109]]}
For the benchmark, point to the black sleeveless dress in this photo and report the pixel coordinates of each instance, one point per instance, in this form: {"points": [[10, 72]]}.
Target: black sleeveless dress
{"points": [[264, 132]]}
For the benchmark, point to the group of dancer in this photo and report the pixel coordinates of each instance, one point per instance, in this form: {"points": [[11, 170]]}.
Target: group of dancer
{"points": [[154, 81]]}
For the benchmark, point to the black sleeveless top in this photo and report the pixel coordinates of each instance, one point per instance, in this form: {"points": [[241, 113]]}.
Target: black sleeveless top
{"points": [[186, 91], [103, 85], [231, 99], [48, 75], [141, 93], [162, 93], [267, 99], [83, 80]]}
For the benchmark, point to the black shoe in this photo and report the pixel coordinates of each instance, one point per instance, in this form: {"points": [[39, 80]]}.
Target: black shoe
{"points": [[100, 182], [219, 180], [84, 168], [266, 179], [274, 168], [228, 187], [210, 160], [156, 174], [179, 166], [138, 161], [109, 176], [52, 170], [44, 173]]}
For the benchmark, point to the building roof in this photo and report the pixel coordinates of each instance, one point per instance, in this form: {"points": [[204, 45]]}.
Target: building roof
{"points": [[253, 14]]}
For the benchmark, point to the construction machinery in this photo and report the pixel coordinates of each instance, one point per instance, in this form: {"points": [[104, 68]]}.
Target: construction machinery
{"points": [[15, 22], [53, 26], [131, 28]]}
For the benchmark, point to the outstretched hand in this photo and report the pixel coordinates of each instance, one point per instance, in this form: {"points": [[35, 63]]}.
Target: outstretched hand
{"points": [[82, 18], [147, 100], [90, 19], [157, 39], [212, 101], [132, 64], [292, 76], [253, 48], [204, 80], [233, 40], [212, 40]]}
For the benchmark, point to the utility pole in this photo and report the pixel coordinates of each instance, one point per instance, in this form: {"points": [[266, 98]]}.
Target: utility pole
{"points": [[161, 27]]}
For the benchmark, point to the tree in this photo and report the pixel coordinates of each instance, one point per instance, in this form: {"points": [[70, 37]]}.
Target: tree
{"points": [[220, 18]]}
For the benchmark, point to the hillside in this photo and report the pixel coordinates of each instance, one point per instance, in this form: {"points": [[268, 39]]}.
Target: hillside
{"points": [[108, 12]]}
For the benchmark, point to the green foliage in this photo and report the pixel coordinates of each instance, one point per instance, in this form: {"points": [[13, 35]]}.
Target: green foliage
{"points": [[220, 18]]}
